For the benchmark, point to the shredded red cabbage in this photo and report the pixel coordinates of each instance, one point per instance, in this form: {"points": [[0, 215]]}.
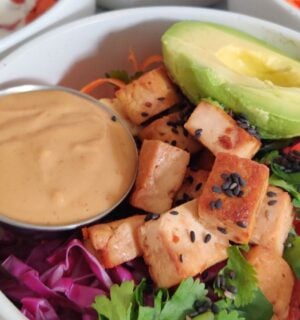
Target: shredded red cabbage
{"points": [[55, 280]]}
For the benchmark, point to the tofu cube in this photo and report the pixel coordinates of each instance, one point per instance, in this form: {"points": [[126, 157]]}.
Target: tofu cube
{"points": [[232, 196], [176, 246], [275, 279], [216, 130], [148, 95], [169, 129], [160, 174], [118, 109], [192, 186], [116, 242], [274, 220]]}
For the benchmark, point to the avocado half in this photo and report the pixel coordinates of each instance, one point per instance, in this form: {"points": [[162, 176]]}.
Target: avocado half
{"points": [[241, 72]]}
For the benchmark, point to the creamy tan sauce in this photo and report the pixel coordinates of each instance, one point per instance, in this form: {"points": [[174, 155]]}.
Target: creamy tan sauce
{"points": [[62, 158]]}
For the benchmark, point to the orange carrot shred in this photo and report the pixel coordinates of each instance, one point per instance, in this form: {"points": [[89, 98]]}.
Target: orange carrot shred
{"points": [[41, 7], [151, 60], [99, 82], [133, 60], [85, 233]]}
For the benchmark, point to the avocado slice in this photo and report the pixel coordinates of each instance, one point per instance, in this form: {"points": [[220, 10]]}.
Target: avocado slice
{"points": [[238, 70]]}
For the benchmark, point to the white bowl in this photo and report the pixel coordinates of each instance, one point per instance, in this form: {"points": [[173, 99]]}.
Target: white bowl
{"points": [[79, 52], [74, 54], [279, 11], [118, 4], [63, 11]]}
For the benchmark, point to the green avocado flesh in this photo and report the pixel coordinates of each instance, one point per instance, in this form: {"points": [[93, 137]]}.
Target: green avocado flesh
{"points": [[238, 70]]}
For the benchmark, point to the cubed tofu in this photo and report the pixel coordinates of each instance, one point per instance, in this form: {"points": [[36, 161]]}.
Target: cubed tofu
{"points": [[274, 220], [169, 129], [176, 246], [116, 242], [216, 130], [116, 106], [148, 95], [192, 186], [275, 279], [160, 174], [232, 196]]}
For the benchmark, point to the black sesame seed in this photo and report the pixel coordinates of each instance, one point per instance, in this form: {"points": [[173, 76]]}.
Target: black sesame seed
{"points": [[207, 238], [174, 213], [181, 258], [198, 133], [174, 143], [144, 114], [228, 193], [222, 230], [218, 204], [231, 288], [212, 204], [193, 314], [240, 194], [198, 186], [151, 216], [113, 118], [199, 304], [202, 309], [272, 202], [233, 186], [236, 190], [220, 281], [226, 185], [242, 224], [161, 98], [271, 194], [242, 181], [192, 236], [186, 197], [216, 189]]}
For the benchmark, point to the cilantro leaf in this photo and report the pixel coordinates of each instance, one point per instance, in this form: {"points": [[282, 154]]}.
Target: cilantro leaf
{"points": [[292, 253], [240, 287], [278, 182], [183, 299], [229, 315], [118, 74], [119, 306]]}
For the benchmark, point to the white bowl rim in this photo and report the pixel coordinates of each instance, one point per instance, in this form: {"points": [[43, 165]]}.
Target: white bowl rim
{"points": [[48, 18], [127, 13], [288, 7]]}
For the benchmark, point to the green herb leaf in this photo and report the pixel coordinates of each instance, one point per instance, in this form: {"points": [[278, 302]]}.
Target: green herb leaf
{"points": [[292, 178], [119, 306], [229, 315], [118, 74], [292, 253], [183, 299], [278, 182], [244, 280]]}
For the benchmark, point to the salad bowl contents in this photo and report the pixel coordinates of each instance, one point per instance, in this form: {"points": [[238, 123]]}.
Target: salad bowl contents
{"points": [[210, 229]]}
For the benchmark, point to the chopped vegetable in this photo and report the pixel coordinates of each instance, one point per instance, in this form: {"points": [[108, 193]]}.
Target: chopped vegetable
{"points": [[292, 253], [238, 279]]}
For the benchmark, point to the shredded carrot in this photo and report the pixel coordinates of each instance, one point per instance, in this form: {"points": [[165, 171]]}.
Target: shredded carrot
{"points": [[99, 82], [151, 60], [85, 233], [133, 60], [41, 7]]}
